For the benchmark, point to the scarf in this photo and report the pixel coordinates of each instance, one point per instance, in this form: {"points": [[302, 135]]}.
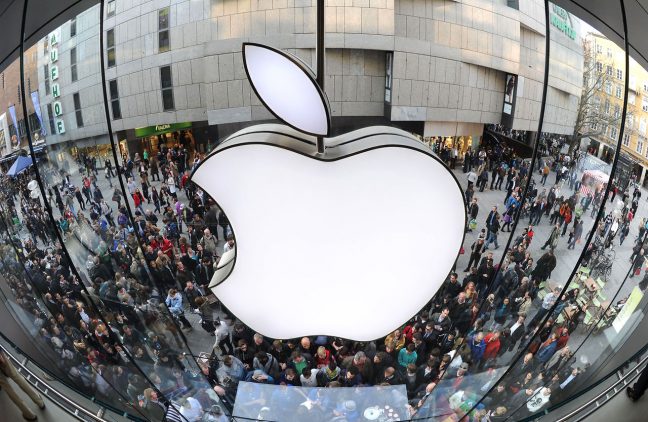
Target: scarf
{"points": [[332, 374]]}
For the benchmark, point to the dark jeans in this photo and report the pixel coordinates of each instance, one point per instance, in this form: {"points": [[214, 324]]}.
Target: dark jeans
{"points": [[226, 344], [642, 383], [183, 319]]}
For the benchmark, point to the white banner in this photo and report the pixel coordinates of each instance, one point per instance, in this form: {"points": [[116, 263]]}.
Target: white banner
{"points": [[5, 129]]}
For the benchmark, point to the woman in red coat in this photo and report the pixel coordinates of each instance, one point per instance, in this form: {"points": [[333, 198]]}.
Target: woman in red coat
{"points": [[563, 338], [492, 346]]}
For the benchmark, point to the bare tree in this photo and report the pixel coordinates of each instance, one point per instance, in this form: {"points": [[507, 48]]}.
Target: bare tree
{"points": [[594, 114]]}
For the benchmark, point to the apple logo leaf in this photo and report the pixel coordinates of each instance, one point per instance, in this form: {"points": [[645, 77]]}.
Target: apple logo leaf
{"points": [[287, 88]]}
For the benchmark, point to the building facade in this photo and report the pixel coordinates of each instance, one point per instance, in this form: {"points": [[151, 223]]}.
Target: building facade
{"points": [[438, 68], [608, 102]]}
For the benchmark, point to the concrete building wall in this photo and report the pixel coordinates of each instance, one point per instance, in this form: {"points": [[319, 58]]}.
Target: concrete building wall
{"points": [[485, 38], [449, 61], [87, 85]]}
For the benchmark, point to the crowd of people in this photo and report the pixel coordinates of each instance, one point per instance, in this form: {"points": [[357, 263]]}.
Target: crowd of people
{"points": [[107, 305], [114, 307]]}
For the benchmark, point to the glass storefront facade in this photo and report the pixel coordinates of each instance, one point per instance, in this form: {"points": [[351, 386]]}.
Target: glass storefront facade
{"points": [[108, 247]]}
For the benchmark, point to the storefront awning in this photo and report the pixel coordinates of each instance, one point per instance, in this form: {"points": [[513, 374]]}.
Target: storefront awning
{"points": [[142, 132]]}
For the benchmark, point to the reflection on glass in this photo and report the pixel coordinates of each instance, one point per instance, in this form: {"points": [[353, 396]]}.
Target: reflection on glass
{"points": [[123, 307], [563, 349], [259, 401]]}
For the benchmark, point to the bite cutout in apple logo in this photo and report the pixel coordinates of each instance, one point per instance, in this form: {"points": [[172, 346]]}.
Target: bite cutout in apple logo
{"points": [[351, 243]]}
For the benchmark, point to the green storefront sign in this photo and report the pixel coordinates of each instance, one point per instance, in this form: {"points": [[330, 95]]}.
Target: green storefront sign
{"points": [[561, 20], [142, 132]]}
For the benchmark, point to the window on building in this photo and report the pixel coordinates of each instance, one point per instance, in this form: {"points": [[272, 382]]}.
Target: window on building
{"points": [[619, 91], [642, 126], [73, 64], [640, 144], [599, 49], [599, 67], [73, 28], [608, 87], [629, 121], [608, 70], [22, 129], [631, 98], [110, 47], [594, 124], [110, 8], [77, 110], [607, 106], [163, 30], [114, 99], [617, 111], [609, 53], [166, 84], [613, 132], [644, 104], [46, 79], [50, 117], [34, 123], [619, 74]]}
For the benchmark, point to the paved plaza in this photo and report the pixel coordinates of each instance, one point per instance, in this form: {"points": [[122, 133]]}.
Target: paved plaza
{"points": [[200, 341]]}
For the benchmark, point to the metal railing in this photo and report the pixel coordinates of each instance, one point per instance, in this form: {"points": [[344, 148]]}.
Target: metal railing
{"points": [[63, 402], [607, 394]]}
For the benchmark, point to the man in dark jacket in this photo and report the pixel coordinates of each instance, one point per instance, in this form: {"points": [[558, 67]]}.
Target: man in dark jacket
{"points": [[544, 266], [438, 325]]}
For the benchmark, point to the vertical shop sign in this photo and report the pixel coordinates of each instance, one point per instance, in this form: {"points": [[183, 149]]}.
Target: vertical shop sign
{"points": [[54, 74]]}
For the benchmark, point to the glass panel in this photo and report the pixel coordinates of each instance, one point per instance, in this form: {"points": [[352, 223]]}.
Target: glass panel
{"points": [[169, 216], [563, 340], [89, 265], [163, 18], [163, 41], [260, 401], [165, 77], [114, 94]]}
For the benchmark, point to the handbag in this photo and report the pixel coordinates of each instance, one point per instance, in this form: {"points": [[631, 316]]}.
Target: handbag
{"points": [[637, 271], [472, 225]]}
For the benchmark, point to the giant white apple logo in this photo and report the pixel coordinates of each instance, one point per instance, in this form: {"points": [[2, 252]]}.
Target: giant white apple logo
{"points": [[351, 243]]}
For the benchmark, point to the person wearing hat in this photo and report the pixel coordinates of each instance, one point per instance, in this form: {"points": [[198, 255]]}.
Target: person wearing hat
{"points": [[8, 371]]}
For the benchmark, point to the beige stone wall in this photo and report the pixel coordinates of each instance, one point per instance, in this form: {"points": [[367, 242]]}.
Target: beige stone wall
{"points": [[450, 59], [487, 39]]}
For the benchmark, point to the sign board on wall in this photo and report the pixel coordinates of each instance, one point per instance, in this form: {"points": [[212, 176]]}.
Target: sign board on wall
{"points": [[508, 109], [53, 39], [628, 308], [562, 20], [141, 132]]}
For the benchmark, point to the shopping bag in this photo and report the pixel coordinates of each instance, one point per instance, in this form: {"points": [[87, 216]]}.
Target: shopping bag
{"points": [[472, 225]]}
